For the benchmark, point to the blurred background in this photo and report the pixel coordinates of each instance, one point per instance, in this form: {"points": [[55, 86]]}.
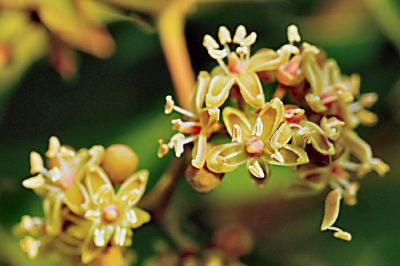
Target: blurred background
{"points": [[120, 100]]}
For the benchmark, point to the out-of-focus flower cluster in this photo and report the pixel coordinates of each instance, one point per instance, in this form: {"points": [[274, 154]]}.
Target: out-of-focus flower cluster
{"points": [[57, 27], [308, 124], [229, 244], [89, 201]]}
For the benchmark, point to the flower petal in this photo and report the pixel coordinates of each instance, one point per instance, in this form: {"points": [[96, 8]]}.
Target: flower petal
{"points": [[313, 73], [203, 82], [288, 155], [271, 115], [52, 211], [76, 198], [362, 151], [220, 86], [318, 138], [251, 89], [233, 116], [332, 207], [137, 217], [95, 179], [265, 60], [199, 151], [134, 187], [226, 157]]}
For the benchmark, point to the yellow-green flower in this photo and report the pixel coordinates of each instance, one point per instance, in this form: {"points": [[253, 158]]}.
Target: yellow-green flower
{"points": [[334, 94], [258, 141], [201, 123], [60, 183], [241, 68], [113, 214]]}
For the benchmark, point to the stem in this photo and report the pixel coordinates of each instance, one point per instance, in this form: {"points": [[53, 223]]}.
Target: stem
{"points": [[159, 197], [170, 23], [280, 92]]}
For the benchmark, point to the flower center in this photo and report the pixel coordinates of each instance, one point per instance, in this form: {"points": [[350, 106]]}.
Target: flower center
{"points": [[110, 213], [255, 146]]}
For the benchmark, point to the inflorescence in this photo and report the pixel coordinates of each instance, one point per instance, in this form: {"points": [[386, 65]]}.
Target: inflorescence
{"points": [[308, 124]]}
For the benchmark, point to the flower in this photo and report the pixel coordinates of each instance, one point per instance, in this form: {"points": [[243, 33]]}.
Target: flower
{"points": [[241, 68], [201, 123], [60, 183], [113, 214], [259, 142]]}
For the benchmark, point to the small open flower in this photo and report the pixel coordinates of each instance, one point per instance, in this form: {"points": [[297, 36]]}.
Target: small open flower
{"points": [[60, 182], [241, 68], [113, 214], [259, 142], [201, 123]]}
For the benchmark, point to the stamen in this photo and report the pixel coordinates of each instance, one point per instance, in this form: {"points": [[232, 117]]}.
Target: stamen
{"points": [[293, 34], [34, 182], [218, 54], [209, 42], [169, 104], [256, 170], [309, 47], [99, 238], [278, 156], [236, 133], [249, 40], [120, 236], [224, 35], [163, 149], [36, 163], [54, 147], [258, 127], [240, 34], [55, 174]]}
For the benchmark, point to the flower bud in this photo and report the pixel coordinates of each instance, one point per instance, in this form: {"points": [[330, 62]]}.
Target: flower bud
{"points": [[202, 180], [119, 162]]}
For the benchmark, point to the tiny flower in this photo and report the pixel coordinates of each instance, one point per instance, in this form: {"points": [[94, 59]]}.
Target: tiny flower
{"points": [[30, 246], [265, 142], [241, 68], [60, 183], [201, 123], [113, 214]]}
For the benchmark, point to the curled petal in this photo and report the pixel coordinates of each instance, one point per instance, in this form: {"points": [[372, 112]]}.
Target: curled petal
{"points": [[251, 89], [318, 138], [199, 151], [313, 72], [232, 117], [281, 136], [218, 92], [272, 115], [36, 162], [332, 207], [208, 118], [332, 127], [331, 72], [288, 155], [240, 34], [203, 82], [34, 182], [265, 60], [367, 118], [315, 103], [226, 157], [133, 188]]}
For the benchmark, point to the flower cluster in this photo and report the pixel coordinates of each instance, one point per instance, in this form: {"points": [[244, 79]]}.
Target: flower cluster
{"points": [[54, 26], [84, 214], [312, 133]]}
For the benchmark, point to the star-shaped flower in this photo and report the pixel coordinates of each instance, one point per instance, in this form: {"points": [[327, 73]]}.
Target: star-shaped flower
{"points": [[113, 214]]}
